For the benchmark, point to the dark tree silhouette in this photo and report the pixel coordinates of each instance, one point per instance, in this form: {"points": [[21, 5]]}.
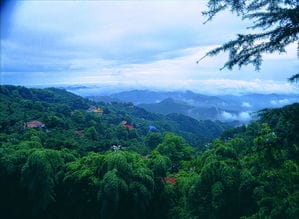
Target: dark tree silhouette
{"points": [[276, 25]]}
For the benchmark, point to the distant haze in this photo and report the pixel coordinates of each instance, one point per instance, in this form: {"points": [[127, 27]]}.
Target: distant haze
{"points": [[242, 108]]}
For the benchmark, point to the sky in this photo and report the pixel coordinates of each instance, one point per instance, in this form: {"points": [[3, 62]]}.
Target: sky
{"points": [[130, 45]]}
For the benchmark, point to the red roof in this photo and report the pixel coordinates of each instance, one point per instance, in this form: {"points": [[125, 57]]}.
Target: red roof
{"points": [[129, 127], [171, 180]]}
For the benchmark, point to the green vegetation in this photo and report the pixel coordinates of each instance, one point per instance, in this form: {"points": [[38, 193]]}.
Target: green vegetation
{"points": [[61, 158]]}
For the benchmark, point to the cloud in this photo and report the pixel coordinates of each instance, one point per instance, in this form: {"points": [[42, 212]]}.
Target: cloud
{"points": [[178, 71], [228, 116], [284, 101], [110, 29], [246, 104], [242, 116], [132, 44], [228, 86]]}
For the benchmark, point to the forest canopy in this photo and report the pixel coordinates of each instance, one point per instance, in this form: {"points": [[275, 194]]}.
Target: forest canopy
{"points": [[61, 158]]}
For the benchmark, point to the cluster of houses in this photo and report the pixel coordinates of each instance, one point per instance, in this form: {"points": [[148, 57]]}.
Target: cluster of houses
{"points": [[93, 109]]}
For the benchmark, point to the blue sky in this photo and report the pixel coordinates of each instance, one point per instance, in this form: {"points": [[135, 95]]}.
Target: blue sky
{"points": [[130, 44]]}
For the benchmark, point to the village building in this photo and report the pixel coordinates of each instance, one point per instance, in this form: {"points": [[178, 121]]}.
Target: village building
{"points": [[127, 126], [93, 109], [80, 133], [34, 124], [170, 180]]}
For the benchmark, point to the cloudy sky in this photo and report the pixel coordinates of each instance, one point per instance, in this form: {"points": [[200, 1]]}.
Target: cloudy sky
{"points": [[130, 44]]}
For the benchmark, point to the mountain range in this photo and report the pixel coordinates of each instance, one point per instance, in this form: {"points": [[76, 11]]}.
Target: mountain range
{"points": [[200, 106]]}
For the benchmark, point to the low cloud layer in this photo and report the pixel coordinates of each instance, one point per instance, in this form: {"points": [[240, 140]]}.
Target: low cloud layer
{"points": [[246, 104], [280, 102], [242, 116]]}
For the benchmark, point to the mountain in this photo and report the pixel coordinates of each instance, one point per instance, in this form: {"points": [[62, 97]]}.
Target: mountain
{"points": [[167, 106], [199, 106]]}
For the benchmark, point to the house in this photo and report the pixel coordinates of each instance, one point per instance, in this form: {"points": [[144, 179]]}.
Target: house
{"points": [[170, 180], [127, 126], [80, 133], [98, 110], [91, 109], [152, 128], [34, 124], [116, 147]]}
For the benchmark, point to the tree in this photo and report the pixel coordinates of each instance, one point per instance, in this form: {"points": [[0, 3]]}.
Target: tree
{"points": [[39, 177], [152, 139], [91, 133], [127, 186], [159, 164], [77, 194], [276, 20], [175, 149], [214, 193], [78, 117]]}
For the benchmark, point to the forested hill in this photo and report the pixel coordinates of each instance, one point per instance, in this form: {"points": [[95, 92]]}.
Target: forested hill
{"points": [[62, 156], [65, 114]]}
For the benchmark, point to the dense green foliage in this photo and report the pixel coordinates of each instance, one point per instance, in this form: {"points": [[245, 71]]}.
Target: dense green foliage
{"points": [[64, 113], [55, 172]]}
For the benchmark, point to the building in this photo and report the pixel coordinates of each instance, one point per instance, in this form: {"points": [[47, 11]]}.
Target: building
{"points": [[34, 124]]}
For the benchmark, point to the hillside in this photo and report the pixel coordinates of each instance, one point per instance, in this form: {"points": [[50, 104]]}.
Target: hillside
{"points": [[64, 113], [63, 156]]}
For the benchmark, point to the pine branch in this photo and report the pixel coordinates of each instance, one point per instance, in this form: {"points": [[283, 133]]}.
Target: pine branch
{"points": [[294, 78], [277, 20]]}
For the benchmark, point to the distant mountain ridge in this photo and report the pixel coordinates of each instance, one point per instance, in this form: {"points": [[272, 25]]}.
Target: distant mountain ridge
{"points": [[200, 106]]}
